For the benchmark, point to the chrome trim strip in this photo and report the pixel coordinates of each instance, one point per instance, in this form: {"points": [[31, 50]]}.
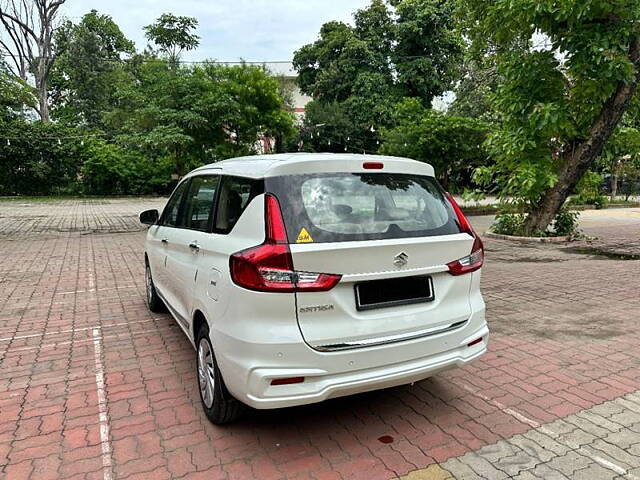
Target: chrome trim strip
{"points": [[402, 337]]}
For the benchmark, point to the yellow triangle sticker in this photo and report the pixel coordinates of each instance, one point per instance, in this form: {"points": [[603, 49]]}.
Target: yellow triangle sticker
{"points": [[304, 237]]}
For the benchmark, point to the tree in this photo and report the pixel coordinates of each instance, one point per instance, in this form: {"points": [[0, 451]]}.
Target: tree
{"points": [[173, 35], [621, 154], [452, 144], [195, 115], [428, 48], [560, 99], [394, 49], [475, 88], [29, 27], [89, 60]]}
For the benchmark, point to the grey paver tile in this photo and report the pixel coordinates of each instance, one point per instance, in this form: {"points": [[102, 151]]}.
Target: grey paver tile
{"points": [[462, 471], [569, 463], [480, 466], [594, 472]]}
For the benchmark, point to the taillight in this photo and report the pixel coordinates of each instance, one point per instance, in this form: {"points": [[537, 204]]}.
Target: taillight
{"points": [[465, 226], [269, 267], [475, 259]]}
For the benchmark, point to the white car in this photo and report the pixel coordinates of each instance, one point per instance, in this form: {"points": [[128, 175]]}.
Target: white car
{"points": [[303, 277]]}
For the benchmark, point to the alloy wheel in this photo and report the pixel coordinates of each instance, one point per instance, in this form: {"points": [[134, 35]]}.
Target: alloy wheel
{"points": [[148, 284], [206, 372]]}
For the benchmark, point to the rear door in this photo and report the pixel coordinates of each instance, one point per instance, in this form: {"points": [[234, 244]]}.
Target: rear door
{"points": [[390, 236]]}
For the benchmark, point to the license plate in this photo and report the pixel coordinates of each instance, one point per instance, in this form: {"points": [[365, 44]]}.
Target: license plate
{"points": [[393, 292]]}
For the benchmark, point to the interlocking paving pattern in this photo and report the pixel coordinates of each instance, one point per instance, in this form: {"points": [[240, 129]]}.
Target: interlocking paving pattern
{"points": [[555, 397], [19, 218], [602, 442]]}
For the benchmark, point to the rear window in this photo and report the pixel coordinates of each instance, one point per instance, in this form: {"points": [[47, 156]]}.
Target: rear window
{"points": [[339, 207]]}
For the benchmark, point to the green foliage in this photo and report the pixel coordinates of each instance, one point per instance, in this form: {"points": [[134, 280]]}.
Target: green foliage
{"points": [[394, 50], [87, 66], [622, 147], [110, 169], [452, 144], [475, 90], [630, 175], [196, 115], [15, 95], [588, 191], [550, 92], [34, 163], [565, 224], [508, 224], [173, 35], [621, 160], [428, 48], [150, 116]]}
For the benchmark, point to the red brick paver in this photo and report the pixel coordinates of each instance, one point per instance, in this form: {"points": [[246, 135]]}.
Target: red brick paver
{"points": [[565, 339]]}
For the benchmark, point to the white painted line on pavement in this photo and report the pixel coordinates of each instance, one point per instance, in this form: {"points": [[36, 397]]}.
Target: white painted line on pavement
{"points": [[91, 290], [107, 469], [556, 436]]}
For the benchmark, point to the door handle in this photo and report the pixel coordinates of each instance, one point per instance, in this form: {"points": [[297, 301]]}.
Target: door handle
{"points": [[194, 245], [165, 241]]}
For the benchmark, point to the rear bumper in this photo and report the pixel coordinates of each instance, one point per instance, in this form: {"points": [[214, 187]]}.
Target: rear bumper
{"points": [[317, 388], [335, 374]]}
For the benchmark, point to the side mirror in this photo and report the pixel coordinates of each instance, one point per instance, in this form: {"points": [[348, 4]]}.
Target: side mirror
{"points": [[149, 217]]}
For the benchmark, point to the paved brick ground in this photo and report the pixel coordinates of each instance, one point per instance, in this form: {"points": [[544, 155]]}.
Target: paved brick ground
{"points": [[18, 218], [82, 359]]}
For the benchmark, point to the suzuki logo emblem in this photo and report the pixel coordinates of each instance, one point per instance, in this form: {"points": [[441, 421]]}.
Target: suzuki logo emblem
{"points": [[401, 260]]}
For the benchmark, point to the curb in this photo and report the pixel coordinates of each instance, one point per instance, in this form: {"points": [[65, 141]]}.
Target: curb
{"points": [[498, 236]]}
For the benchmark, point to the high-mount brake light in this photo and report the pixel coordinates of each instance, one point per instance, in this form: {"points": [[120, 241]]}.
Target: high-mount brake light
{"points": [[373, 165], [475, 259], [269, 267]]}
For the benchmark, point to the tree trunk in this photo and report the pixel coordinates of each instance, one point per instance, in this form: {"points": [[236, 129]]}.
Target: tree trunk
{"points": [[580, 155], [614, 181], [43, 93]]}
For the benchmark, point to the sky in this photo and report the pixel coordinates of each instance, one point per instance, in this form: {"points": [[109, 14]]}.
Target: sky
{"points": [[258, 30]]}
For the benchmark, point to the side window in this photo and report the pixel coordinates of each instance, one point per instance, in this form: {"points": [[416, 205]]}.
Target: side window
{"points": [[171, 213], [235, 195], [198, 205]]}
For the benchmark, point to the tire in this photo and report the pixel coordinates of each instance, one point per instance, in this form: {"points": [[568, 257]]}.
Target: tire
{"points": [[155, 304], [218, 404]]}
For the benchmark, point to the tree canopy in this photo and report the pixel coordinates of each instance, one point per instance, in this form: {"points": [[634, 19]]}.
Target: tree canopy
{"points": [[396, 49], [88, 65], [452, 145], [173, 35], [568, 71], [128, 121], [542, 93]]}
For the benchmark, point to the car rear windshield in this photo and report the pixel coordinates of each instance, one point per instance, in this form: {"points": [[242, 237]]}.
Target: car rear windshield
{"points": [[341, 207]]}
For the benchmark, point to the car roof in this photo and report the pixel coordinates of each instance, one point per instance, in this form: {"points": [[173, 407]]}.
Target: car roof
{"points": [[261, 166]]}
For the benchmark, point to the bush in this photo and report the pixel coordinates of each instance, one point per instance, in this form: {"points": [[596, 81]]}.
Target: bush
{"points": [[509, 224], [588, 191], [566, 223], [34, 163], [112, 170]]}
